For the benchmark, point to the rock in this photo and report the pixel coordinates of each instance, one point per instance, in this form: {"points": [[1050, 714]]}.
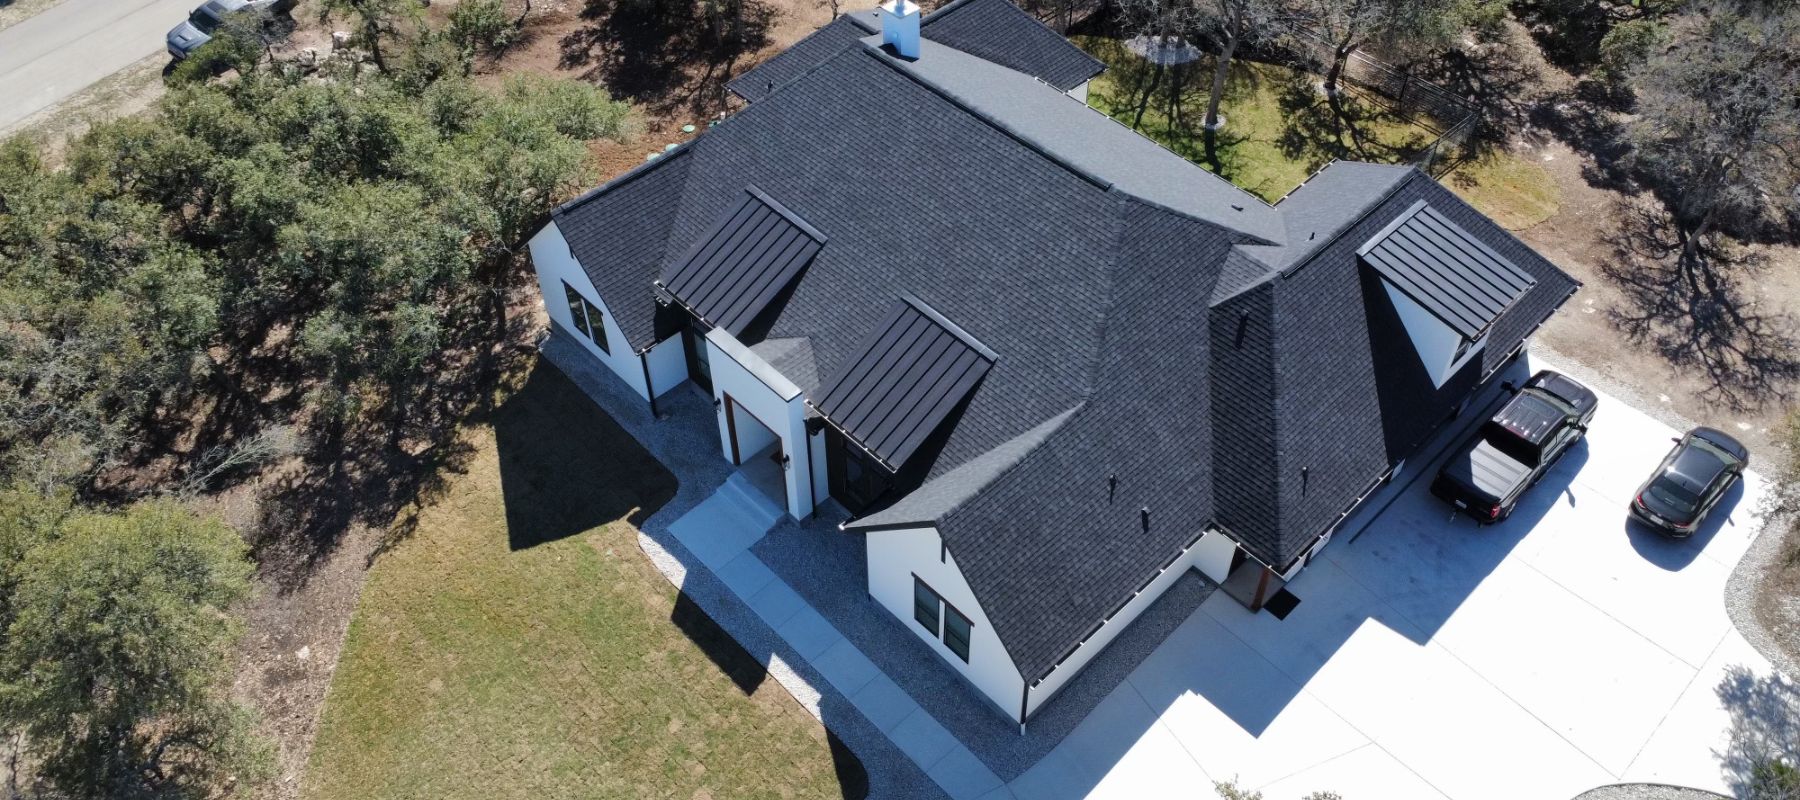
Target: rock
{"points": [[339, 39], [304, 653], [309, 57]]}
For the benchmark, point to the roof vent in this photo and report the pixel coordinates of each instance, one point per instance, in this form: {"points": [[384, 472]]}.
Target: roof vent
{"points": [[900, 27], [1112, 488], [1144, 517]]}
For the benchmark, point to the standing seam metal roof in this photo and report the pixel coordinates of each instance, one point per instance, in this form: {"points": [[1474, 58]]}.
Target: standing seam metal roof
{"points": [[1446, 269], [904, 383], [753, 253]]}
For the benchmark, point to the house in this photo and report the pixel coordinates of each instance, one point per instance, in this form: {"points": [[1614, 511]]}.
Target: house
{"points": [[1046, 365]]}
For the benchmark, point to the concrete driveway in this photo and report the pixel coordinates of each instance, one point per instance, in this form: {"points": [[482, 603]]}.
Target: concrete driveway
{"points": [[68, 47], [1430, 658]]}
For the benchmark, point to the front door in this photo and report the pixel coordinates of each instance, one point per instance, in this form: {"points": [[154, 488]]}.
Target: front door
{"points": [[699, 370], [855, 479]]}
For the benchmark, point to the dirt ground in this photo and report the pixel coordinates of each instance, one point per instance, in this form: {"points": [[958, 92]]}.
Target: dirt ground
{"points": [[1587, 330]]}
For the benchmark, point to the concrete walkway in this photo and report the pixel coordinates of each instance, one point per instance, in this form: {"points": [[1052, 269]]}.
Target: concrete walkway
{"points": [[70, 46], [719, 532]]}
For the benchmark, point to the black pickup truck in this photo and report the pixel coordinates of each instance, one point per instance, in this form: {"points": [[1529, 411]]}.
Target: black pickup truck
{"points": [[1486, 476]]}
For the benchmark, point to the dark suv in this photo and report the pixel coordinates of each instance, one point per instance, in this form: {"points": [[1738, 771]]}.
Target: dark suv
{"points": [[1487, 475]]}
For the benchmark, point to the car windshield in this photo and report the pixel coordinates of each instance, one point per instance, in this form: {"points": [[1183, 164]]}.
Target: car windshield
{"points": [[203, 20], [1672, 495]]}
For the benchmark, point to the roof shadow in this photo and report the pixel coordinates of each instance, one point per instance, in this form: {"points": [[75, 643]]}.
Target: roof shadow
{"points": [[565, 469]]}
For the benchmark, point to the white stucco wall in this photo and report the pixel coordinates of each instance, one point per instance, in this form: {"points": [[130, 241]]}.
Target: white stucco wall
{"points": [[775, 401], [820, 478], [1435, 342], [668, 364], [1080, 92], [1109, 630], [555, 266], [1212, 555], [894, 558]]}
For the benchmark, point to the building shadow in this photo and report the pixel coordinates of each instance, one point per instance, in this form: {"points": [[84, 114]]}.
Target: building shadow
{"points": [[565, 469], [731, 658]]}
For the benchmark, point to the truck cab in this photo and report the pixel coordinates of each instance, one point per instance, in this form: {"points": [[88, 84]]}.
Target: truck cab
{"points": [[1487, 475]]}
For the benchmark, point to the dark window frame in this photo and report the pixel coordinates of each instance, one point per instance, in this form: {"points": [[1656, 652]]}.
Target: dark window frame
{"points": [[937, 606], [576, 309], [967, 637], [597, 322]]}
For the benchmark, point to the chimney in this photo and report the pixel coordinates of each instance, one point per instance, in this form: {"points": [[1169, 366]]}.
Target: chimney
{"points": [[900, 27]]}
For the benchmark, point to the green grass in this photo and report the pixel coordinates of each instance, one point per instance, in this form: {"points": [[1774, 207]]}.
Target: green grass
{"points": [[516, 643], [1280, 128]]}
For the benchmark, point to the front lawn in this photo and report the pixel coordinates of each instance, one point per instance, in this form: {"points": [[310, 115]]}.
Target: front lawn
{"points": [[516, 642], [1280, 128]]}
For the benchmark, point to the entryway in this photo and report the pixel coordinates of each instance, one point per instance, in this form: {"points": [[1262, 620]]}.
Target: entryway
{"points": [[756, 449]]}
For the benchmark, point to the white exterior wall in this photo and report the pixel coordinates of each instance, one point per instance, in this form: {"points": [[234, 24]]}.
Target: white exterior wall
{"points": [[774, 401], [1212, 555], [1080, 92], [1435, 342], [820, 480], [556, 265], [668, 364], [1109, 630], [894, 558]]}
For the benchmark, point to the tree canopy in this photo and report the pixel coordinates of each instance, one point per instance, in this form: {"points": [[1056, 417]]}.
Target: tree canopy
{"points": [[118, 629], [346, 225]]}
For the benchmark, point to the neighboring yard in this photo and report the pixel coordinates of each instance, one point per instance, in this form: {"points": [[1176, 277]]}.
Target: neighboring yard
{"points": [[515, 642], [1280, 129]]}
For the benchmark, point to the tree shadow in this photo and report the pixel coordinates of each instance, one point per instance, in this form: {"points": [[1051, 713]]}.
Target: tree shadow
{"points": [[1319, 128], [1696, 315], [670, 58], [1760, 758], [372, 471]]}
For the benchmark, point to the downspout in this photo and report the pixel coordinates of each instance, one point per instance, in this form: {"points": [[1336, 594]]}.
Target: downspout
{"points": [[1024, 700], [644, 361]]}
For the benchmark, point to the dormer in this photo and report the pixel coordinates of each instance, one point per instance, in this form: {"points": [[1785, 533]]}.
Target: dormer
{"points": [[1447, 287]]}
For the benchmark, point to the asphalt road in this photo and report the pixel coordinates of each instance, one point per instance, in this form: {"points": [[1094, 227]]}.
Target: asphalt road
{"points": [[68, 47]]}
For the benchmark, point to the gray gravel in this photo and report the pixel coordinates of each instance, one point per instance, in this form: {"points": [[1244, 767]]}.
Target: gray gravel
{"points": [[1646, 791], [691, 451]]}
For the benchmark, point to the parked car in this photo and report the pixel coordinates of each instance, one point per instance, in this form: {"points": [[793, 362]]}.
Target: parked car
{"points": [[1689, 481], [1487, 475], [198, 29]]}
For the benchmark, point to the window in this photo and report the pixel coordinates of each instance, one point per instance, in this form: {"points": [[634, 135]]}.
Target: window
{"points": [[928, 608], [576, 311], [587, 318], [956, 633], [598, 324], [925, 605]]}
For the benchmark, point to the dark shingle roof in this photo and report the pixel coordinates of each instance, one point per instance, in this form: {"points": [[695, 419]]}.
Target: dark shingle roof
{"points": [[914, 371], [1441, 267], [619, 233], [995, 30], [749, 257], [1000, 32], [1161, 349]]}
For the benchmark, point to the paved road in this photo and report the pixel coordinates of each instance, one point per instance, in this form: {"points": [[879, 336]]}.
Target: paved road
{"points": [[53, 55]]}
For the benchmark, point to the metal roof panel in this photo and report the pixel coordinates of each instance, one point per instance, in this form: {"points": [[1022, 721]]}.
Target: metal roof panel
{"points": [[753, 252], [1446, 269]]}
